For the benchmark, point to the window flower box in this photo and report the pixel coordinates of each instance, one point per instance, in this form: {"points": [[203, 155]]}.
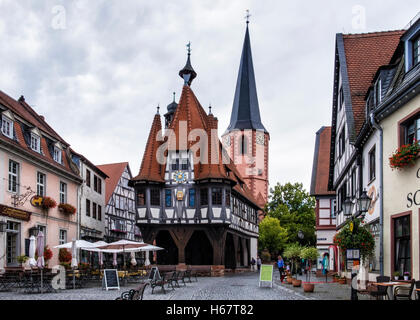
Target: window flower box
{"points": [[404, 156], [66, 208], [48, 203]]}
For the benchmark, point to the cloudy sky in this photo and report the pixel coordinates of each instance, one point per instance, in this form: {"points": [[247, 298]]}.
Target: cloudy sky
{"points": [[97, 69]]}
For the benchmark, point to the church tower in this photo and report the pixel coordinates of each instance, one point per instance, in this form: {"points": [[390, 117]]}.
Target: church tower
{"points": [[246, 139]]}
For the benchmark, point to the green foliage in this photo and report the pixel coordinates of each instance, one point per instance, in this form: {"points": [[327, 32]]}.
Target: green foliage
{"points": [[310, 253], [265, 256], [272, 235], [22, 259], [295, 209], [361, 239], [293, 251]]}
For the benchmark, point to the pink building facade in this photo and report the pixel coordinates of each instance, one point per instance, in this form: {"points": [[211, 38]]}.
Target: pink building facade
{"points": [[35, 164]]}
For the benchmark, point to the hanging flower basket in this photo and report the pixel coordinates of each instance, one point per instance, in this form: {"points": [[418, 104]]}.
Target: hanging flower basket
{"points": [[67, 208], [361, 239], [405, 156], [48, 203]]}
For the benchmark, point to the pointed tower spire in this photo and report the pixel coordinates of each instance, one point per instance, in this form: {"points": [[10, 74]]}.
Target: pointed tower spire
{"points": [[245, 110], [188, 73]]}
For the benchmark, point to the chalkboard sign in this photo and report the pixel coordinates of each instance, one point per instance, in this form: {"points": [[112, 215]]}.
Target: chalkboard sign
{"points": [[266, 274], [154, 274], [110, 279]]}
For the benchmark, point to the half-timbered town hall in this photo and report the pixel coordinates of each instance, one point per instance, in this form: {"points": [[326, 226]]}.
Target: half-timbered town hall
{"points": [[192, 198]]}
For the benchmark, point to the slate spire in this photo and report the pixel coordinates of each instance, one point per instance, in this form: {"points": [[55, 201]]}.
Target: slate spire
{"points": [[187, 73], [245, 110]]}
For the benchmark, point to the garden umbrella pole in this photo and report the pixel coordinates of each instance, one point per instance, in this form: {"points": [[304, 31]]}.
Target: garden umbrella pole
{"points": [[40, 249]]}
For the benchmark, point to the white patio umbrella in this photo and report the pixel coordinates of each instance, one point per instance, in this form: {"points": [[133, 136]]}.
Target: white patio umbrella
{"points": [[114, 259], [123, 245], [133, 258], [40, 249], [79, 245], [74, 261], [32, 261]]}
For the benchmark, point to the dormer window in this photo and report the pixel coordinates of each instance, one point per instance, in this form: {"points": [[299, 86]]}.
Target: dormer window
{"points": [[416, 50], [57, 155], [35, 142], [378, 91], [7, 127]]}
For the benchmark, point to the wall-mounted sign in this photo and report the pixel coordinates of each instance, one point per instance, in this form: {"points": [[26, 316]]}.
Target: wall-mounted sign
{"points": [[15, 213], [373, 195], [36, 201], [414, 197], [179, 195]]}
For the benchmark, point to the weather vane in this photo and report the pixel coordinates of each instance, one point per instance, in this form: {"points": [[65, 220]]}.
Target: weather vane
{"points": [[189, 47], [158, 107], [247, 16]]}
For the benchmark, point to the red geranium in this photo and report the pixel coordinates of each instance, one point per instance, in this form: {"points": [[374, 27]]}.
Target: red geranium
{"points": [[405, 155], [48, 203]]}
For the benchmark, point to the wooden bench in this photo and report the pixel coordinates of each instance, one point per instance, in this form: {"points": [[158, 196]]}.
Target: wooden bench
{"points": [[134, 294], [188, 274], [160, 282], [200, 271]]}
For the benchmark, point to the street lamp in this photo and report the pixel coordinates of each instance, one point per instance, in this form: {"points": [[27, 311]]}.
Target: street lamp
{"points": [[301, 235], [33, 231], [364, 202], [348, 207]]}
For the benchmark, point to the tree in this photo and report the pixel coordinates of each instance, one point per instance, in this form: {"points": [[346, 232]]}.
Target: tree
{"points": [[293, 252], [272, 235], [295, 209]]}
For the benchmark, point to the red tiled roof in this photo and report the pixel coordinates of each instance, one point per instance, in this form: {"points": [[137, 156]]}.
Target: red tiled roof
{"points": [[150, 169], [365, 53], [322, 163], [193, 116], [24, 111], [114, 171]]}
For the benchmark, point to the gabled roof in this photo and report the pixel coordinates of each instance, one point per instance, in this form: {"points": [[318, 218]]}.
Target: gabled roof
{"points": [[360, 56], [89, 163], [188, 118], [245, 110], [150, 169], [321, 163], [114, 171], [25, 120]]}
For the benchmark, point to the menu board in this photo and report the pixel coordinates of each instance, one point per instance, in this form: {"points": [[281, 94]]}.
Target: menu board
{"points": [[154, 274], [110, 279]]}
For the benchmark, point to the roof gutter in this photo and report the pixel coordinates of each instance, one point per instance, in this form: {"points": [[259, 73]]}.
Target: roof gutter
{"points": [[381, 192]]}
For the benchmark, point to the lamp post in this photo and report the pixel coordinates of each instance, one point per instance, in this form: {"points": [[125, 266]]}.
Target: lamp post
{"points": [[363, 203]]}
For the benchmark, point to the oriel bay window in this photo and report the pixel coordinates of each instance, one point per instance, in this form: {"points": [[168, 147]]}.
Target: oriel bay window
{"points": [[155, 197], [402, 244], [216, 196], [141, 197], [204, 196]]}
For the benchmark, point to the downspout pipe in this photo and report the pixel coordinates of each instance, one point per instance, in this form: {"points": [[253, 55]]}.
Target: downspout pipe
{"points": [[381, 193]]}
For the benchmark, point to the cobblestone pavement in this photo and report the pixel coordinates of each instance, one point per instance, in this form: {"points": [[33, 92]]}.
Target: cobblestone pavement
{"points": [[231, 287], [323, 290]]}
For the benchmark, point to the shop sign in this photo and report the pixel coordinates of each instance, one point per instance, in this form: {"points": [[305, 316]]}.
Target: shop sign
{"points": [[179, 195], [414, 197], [15, 213], [36, 201]]}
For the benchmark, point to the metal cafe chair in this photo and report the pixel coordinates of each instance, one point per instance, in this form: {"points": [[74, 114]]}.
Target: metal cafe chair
{"points": [[381, 291], [404, 293]]}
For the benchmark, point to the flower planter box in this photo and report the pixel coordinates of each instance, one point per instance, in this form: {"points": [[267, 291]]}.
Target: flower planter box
{"points": [[297, 283], [308, 287], [289, 280]]}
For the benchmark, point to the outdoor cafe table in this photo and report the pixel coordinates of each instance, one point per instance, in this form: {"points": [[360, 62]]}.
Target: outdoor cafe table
{"points": [[390, 285]]}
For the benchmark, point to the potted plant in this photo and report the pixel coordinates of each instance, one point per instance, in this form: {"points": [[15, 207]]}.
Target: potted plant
{"points": [[342, 280], [406, 275], [66, 208], [48, 203], [22, 259], [396, 275], [47, 255], [293, 253], [310, 254], [404, 156]]}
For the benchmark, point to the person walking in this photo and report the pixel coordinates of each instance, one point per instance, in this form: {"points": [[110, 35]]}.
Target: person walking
{"points": [[258, 263], [253, 264], [280, 265]]}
